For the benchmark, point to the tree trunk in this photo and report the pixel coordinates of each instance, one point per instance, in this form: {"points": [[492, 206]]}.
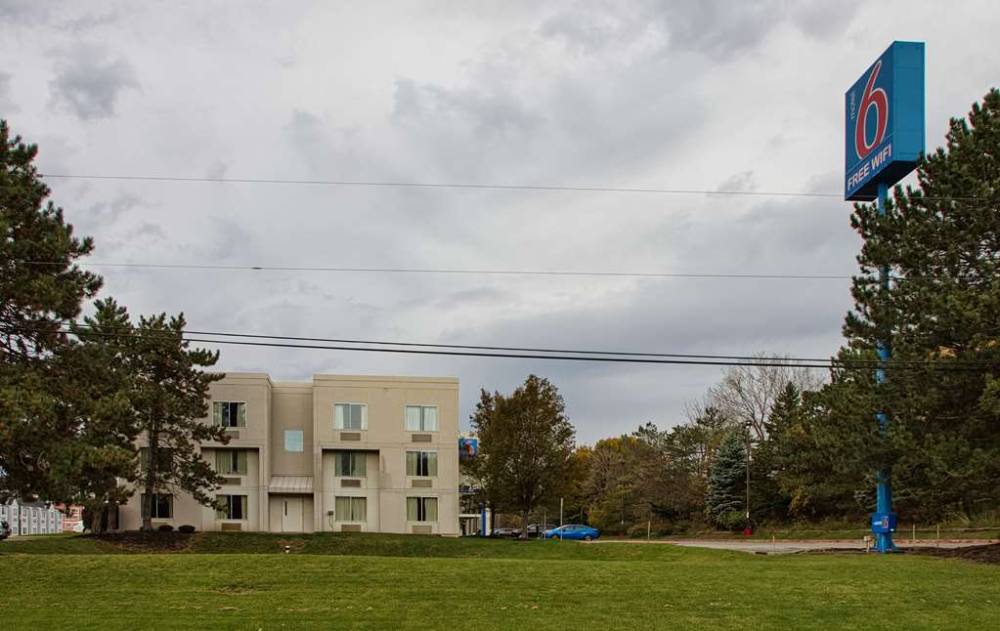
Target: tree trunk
{"points": [[147, 506], [95, 521], [524, 524]]}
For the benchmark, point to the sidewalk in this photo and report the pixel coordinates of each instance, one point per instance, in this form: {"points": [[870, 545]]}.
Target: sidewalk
{"points": [[792, 547]]}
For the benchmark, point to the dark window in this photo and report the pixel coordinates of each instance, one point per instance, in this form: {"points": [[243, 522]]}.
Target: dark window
{"points": [[232, 507], [163, 505], [230, 413]]}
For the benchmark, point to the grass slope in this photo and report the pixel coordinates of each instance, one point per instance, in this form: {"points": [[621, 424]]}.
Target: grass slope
{"points": [[374, 581]]}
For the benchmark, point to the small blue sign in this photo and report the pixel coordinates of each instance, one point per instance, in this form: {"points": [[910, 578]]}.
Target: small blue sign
{"points": [[468, 448], [883, 523], [884, 129]]}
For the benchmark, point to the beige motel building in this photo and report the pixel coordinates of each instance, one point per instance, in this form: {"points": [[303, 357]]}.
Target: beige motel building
{"points": [[338, 453]]}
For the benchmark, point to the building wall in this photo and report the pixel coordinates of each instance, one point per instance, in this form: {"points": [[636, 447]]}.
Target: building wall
{"points": [[292, 411], [386, 399], [273, 408]]}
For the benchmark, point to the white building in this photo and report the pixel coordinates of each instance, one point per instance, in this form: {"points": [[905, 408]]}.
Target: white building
{"points": [[31, 518]]}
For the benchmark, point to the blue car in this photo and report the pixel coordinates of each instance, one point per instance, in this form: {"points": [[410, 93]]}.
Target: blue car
{"points": [[578, 532]]}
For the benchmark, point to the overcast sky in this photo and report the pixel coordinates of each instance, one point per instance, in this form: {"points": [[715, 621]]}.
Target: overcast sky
{"points": [[693, 94]]}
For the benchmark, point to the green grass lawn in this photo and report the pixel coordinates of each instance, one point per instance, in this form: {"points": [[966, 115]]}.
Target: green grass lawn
{"points": [[245, 581]]}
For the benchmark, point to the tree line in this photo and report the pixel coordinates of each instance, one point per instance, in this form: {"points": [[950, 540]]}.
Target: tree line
{"points": [[809, 441]]}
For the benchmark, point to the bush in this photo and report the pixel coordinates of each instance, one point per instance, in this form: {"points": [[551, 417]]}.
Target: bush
{"points": [[186, 529], [165, 528], [733, 520]]}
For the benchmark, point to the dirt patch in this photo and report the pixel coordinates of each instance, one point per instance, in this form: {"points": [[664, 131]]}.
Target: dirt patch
{"points": [[981, 554], [146, 542]]}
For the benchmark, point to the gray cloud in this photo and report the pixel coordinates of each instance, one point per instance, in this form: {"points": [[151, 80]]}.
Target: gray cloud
{"points": [[718, 29], [22, 12], [6, 102], [88, 83], [742, 181], [217, 170], [644, 94], [487, 113], [89, 21]]}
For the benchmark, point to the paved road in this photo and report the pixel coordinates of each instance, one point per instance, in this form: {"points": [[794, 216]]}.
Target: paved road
{"points": [[791, 547]]}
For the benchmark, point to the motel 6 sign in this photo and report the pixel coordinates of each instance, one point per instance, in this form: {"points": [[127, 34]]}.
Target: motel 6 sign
{"points": [[885, 121]]}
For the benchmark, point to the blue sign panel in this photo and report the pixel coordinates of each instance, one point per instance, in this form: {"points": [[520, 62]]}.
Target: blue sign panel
{"points": [[885, 121], [468, 448]]}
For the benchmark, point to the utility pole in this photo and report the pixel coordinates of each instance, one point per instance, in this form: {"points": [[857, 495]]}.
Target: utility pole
{"points": [[748, 477], [560, 518]]}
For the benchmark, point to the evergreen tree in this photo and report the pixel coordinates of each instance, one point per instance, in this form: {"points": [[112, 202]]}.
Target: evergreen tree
{"points": [[168, 392], [41, 289], [942, 243], [41, 286], [725, 503]]}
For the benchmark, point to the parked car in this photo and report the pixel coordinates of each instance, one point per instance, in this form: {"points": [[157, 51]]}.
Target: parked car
{"points": [[505, 532], [573, 531], [4, 530]]}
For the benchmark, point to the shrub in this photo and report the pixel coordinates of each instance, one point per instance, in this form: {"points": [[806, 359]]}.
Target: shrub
{"points": [[165, 528], [186, 529], [733, 520]]}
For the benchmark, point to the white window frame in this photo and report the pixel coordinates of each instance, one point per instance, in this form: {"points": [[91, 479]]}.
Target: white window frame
{"points": [[422, 428], [422, 508], [338, 422], [228, 457], [338, 518], [227, 402], [353, 454], [302, 441], [420, 452], [155, 513], [243, 498]]}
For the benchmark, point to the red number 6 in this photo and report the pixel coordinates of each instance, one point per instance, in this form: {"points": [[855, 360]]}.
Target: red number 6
{"points": [[878, 98]]}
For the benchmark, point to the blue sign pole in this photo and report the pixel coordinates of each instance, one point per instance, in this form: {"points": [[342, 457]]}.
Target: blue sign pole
{"points": [[884, 520], [884, 138]]}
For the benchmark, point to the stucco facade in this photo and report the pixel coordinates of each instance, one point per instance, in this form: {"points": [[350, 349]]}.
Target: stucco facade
{"points": [[339, 453]]}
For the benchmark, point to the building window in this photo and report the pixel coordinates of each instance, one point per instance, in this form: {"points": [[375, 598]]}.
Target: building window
{"points": [[293, 440], [421, 418], [229, 413], [350, 416], [421, 509], [350, 509], [163, 505], [231, 506], [231, 461], [422, 464], [349, 464]]}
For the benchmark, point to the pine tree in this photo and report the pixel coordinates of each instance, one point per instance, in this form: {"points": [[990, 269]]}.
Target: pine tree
{"points": [[40, 284], [41, 289], [169, 393], [942, 243], [725, 503]]}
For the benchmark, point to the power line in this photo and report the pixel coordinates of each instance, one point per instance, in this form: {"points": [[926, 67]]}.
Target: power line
{"points": [[455, 271], [453, 185], [497, 348], [538, 353], [475, 186]]}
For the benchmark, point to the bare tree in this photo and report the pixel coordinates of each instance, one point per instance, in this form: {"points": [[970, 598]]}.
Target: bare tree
{"points": [[746, 394]]}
